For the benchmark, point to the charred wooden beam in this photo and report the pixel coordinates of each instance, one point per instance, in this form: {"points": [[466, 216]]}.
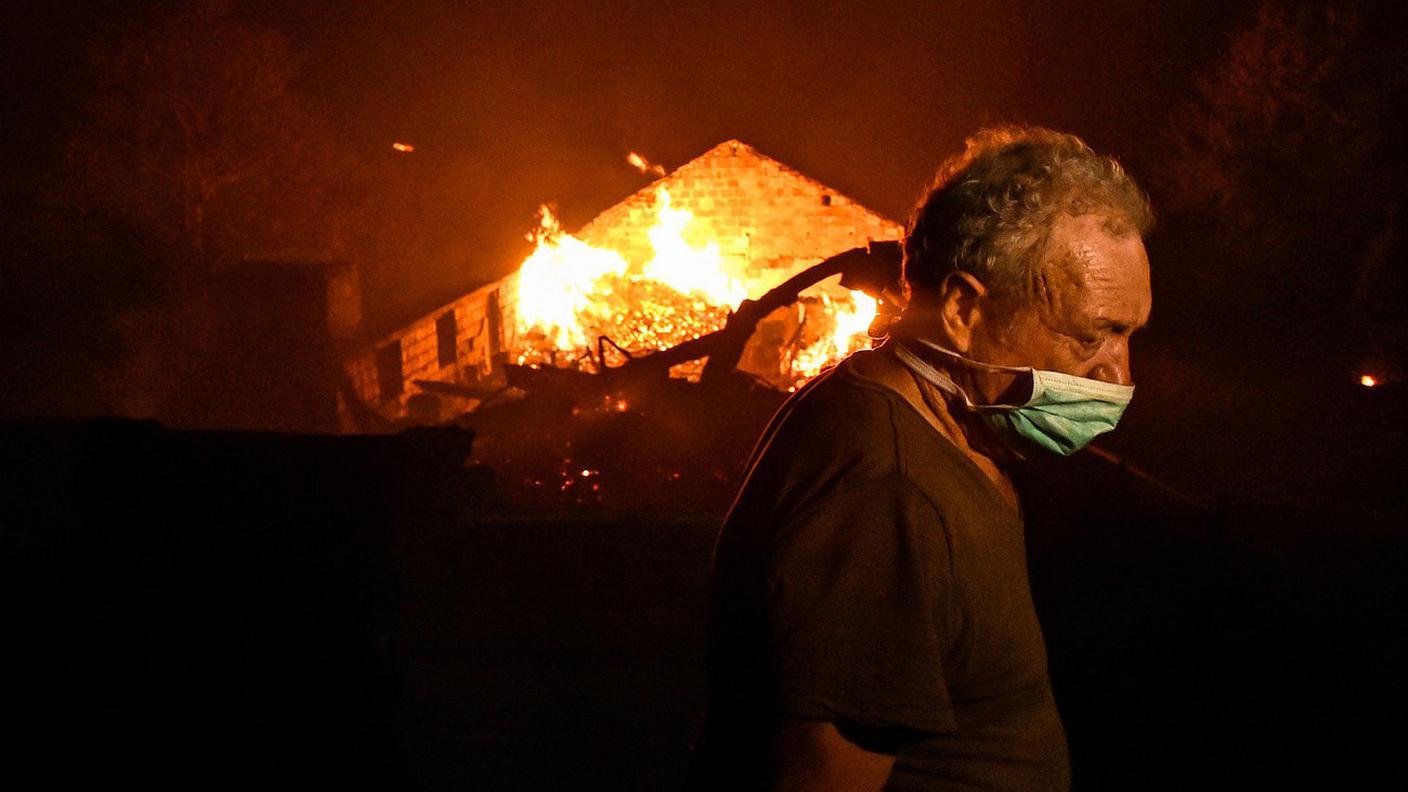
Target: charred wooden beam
{"points": [[456, 389], [874, 269]]}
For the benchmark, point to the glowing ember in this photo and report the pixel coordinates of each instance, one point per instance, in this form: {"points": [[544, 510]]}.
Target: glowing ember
{"points": [[1368, 381], [404, 148], [571, 293], [644, 165]]}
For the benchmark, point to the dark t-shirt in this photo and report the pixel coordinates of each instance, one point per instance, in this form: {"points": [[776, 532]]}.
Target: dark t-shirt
{"points": [[871, 575]]}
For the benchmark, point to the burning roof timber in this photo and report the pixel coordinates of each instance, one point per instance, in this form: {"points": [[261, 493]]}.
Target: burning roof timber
{"points": [[662, 266]]}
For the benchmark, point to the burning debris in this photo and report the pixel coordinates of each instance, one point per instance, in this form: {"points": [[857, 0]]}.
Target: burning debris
{"points": [[572, 295]]}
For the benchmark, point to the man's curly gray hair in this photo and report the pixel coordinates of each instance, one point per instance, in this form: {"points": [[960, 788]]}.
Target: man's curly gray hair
{"points": [[990, 209]]}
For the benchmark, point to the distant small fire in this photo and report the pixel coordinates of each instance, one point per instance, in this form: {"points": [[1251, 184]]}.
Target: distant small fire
{"points": [[404, 148], [1368, 380], [570, 293], [645, 166]]}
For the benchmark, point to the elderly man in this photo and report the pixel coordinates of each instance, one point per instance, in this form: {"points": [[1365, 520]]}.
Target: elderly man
{"points": [[871, 622]]}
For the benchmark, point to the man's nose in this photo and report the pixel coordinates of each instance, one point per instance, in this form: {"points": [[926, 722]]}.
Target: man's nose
{"points": [[1114, 367]]}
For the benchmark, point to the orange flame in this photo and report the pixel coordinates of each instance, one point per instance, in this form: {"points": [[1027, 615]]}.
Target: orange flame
{"points": [[644, 165], [851, 333], [684, 268], [557, 282], [569, 293], [404, 148], [1368, 381]]}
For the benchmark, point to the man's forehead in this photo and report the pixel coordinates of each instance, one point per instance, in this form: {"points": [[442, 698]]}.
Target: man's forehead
{"points": [[1092, 274]]}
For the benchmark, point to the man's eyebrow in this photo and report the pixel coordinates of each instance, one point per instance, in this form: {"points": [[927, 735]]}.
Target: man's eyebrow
{"points": [[1115, 324]]}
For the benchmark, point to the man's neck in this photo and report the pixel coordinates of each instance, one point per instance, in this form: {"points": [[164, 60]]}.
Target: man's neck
{"points": [[933, 405]]}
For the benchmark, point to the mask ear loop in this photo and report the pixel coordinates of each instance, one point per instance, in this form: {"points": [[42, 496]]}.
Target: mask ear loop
{"points": [[991, 368], [928, 379], [939, 379], [945, 383]]}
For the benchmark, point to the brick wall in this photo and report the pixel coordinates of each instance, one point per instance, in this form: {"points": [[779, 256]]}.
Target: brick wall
{"points": [[767, 219], [418, 344]]}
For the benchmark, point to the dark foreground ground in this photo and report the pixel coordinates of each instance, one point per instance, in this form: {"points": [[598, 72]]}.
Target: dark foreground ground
{"points": [[203, 610]]}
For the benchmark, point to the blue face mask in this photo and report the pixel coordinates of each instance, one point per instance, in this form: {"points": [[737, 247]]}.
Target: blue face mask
{"points": [[1062, 414]]}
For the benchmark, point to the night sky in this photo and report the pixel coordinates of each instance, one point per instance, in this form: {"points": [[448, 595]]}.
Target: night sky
{"points": [[510, 108]]}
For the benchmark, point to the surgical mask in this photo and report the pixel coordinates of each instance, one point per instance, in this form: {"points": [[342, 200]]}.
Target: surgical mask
{"points": [[1062, 415]]}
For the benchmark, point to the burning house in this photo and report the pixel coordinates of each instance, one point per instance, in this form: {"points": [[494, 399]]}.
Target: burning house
{"points": [[665, 266]]}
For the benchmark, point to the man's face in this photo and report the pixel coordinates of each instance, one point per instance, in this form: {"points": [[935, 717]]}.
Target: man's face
{"points": [[1093, 293]]}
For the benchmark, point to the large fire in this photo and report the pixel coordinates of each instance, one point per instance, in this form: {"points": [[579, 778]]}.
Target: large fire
{"points": [[570, 294]]}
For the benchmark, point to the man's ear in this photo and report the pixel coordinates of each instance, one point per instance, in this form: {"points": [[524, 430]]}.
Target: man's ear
{"points": [[962, 299]]}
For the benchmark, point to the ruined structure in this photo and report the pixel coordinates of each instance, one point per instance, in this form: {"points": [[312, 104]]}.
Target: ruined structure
{"points": [[767, 221]]}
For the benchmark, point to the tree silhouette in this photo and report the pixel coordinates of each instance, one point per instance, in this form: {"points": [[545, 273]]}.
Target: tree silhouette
{"points": [[195, 131], [196, 143], [1284, 171]]}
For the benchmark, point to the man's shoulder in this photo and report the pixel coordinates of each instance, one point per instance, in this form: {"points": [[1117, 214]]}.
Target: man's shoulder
{"points": [[840, 388], [847, 428], [834, 433], [839, 412], [849, 411]]}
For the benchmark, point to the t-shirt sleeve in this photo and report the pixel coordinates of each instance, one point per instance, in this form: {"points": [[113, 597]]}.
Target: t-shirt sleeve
{"points": [[860, 598]]}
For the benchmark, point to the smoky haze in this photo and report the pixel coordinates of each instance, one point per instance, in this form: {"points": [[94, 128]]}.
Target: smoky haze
{"points": [[511, 107]]}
